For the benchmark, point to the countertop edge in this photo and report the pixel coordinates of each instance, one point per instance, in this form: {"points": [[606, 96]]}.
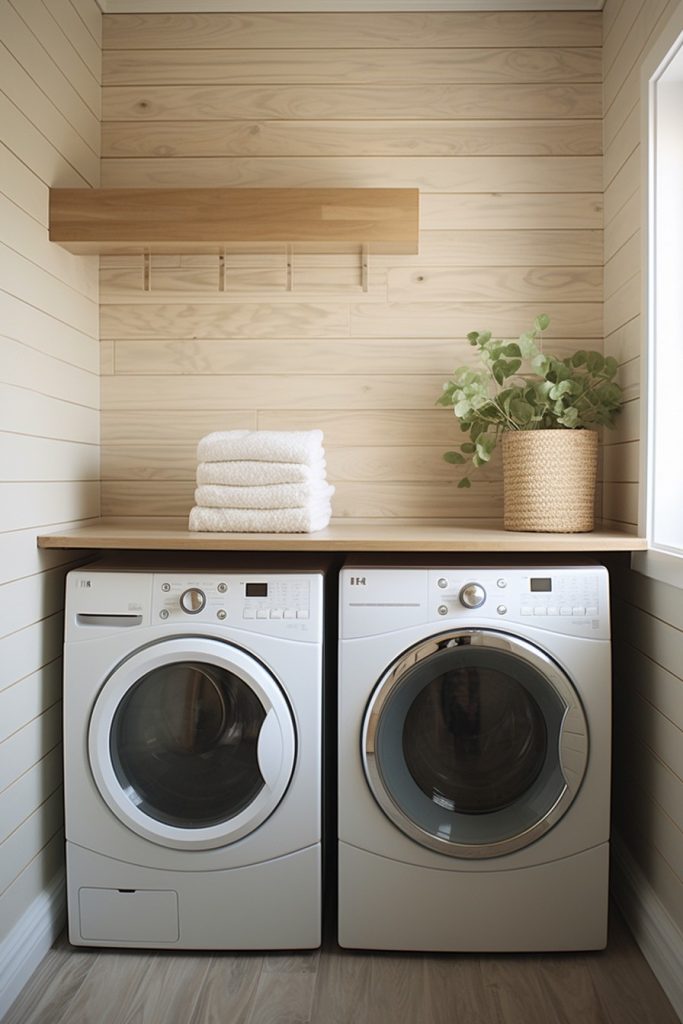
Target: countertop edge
{"points": [[167, 535]]}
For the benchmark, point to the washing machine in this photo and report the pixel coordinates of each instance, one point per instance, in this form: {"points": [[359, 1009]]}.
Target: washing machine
{"points": [[192, 752], [474, 757]]}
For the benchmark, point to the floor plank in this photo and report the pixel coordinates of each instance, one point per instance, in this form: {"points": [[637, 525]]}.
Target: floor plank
{"points": [[340, 986]]}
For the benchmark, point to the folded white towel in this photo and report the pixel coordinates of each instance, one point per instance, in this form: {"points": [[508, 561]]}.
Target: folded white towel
{"points": [[262, 445], [245, 473], [272, 496], [249, 520]]}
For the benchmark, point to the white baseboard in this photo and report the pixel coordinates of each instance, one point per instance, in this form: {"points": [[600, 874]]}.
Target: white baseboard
{"points": [[29, 941], [656, 933]]}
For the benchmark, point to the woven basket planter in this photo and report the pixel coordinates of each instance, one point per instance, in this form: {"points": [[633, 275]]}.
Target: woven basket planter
{"points": [[549, 480]]}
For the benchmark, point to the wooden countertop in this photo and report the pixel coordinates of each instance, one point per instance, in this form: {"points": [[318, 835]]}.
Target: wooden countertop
{"points": [[341, 535]]}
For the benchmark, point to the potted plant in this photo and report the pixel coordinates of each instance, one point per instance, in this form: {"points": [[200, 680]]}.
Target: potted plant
{"points": [[546, 412]]}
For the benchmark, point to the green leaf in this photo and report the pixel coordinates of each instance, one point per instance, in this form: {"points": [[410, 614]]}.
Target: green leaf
{"points": [[465, 482], [560, 389], [513, 349], [473, 337], [462, 407], [541, 322], [521, 411], [540, 364], [467, 447], [595, 361], [579, 358], [454, 458]]}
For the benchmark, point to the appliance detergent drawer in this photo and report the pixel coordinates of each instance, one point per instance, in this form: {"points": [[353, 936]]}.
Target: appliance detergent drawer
{"points": [[140, 915]]}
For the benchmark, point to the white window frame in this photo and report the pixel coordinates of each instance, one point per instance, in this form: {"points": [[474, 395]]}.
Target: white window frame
{"points": [[659, 561]]}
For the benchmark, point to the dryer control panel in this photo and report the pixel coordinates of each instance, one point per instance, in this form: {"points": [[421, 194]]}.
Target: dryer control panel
{"points": [[571, 600]]}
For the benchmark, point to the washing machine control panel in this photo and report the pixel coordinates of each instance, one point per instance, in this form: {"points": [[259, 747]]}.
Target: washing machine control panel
{"points": [[571, 599], [565, 599], [279, 604]]}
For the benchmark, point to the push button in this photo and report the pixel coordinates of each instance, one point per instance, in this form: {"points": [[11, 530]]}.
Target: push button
{"points": [[261, 613], [540, 609], [290, 613], [302, 613], [249, 613], [276, 613], [578, 610]]}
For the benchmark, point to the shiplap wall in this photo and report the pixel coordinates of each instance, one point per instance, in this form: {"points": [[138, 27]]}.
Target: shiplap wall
{"points": [[495, 117], [49, 414], [648, 616]]}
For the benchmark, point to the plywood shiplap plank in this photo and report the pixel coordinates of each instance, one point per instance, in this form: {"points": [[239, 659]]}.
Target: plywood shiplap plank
{"points": [[353, 357], [456, 320], [339, 138], [345, 427], [378, 500], [496, 284], [429, 174], [380, 391], [351, 463], [507, 211], [350, 102], [314, 67], [226, 319], [409, 29]]}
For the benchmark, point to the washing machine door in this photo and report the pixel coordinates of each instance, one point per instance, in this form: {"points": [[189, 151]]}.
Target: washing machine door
{"points": [[192, 742], [475, 743]]}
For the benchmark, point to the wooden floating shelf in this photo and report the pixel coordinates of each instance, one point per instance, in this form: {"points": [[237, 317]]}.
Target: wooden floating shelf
{"points": [[207, 220], [143, 534]]}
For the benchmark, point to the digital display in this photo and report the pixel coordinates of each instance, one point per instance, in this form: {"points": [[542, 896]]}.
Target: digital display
{"points": [[256, 589], [541, 585]]}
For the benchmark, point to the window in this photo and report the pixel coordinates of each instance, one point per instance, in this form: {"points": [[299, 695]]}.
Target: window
{"points": [[663, 97]]}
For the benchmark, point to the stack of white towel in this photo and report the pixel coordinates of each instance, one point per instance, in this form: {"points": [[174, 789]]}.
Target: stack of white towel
{"points": [[261, 481]]}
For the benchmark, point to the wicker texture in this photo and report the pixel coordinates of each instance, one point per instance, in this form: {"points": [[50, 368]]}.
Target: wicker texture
{"points": [[549, 480]]}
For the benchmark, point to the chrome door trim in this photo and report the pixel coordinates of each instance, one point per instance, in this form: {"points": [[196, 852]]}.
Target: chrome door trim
{"points": [[572, 754], [253, 674]]}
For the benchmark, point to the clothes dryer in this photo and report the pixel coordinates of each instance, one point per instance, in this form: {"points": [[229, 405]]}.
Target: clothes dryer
{"points": [[474, 758], [192, 751]]}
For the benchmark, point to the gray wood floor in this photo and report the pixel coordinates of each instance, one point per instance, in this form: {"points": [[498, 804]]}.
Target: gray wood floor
{"points": [[334, 986]]}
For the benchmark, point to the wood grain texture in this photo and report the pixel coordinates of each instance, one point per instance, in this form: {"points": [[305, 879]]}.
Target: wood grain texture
{"points": [[444, 535], [349, 102], [339, 138], [494, 116], [88, 219], [312, 66], [337, 986], [249, 31]]}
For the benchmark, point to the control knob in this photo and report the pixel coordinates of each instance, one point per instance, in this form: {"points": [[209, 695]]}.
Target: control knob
{"points": [[192, 600], [472, 595]]}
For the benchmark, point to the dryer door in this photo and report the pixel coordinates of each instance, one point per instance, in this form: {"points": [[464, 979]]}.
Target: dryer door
{"points": [[192, 742], [475, 743]]}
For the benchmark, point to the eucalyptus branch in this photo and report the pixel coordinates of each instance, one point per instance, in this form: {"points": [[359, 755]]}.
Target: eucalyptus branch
{"points": [[519, 387]]}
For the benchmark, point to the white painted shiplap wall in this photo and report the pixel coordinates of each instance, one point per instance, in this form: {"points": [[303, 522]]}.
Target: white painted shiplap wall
{"points": [[50, 74], [647, 615]]}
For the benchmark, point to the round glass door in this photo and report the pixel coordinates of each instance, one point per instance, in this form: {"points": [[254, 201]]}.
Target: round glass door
{"points": [[475, 743], [192, 743]]}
